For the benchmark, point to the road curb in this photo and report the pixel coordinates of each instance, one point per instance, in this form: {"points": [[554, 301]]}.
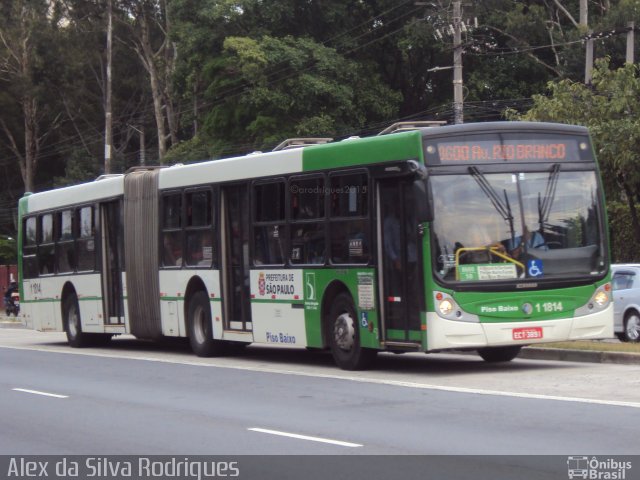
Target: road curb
{"points": [[590, 356], [8, 322]]}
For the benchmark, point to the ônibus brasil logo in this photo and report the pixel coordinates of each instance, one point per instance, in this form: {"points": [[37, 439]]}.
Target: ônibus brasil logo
{"points": [[596, 469]]}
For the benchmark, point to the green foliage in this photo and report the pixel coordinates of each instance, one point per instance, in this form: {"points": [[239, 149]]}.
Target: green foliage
{"points": [[79, 169], [190, 151], [624, 245], [268, 89], [610, 108], [8, 250]]}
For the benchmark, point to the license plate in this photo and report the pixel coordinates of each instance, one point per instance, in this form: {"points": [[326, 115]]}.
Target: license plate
{"points": [[527, 333]]}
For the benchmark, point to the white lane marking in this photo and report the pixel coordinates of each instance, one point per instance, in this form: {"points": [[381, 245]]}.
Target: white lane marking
{"points": [[36, 392], [377, 381], [305, 437]]}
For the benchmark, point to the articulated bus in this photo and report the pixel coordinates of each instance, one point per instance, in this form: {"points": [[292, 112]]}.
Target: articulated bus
{"points": [[482, 237]]}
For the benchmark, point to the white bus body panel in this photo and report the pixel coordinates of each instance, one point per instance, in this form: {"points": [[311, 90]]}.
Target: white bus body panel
{"points": [[173, 285], [264, 165], [449, 334], [76, 194], [42, 304]]}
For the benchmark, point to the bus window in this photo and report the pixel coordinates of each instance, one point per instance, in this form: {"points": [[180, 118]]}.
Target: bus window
{"points": [[46, 247], [199, 248], [65, 246], [349, 225], [30, 249], [307, 199], [269, 227], [308, 243], [86, 240], [349, 195], [172, 230]]}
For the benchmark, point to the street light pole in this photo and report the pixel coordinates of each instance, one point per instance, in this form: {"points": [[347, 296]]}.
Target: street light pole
{"points": [[457, 63]]}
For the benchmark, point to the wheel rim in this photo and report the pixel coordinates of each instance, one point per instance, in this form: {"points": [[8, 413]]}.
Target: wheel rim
{"points": [[73, 321], [633, 327], [199, 325], [344, 332]]}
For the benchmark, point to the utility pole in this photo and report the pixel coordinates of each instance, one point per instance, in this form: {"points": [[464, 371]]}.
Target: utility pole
{"points": [[584, 22], [108, 127], [630, 40], [457, 63], [141, 136]]}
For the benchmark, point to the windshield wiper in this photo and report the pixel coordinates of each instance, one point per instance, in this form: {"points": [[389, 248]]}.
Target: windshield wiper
{"points": [[544, 206], [503, 208]]}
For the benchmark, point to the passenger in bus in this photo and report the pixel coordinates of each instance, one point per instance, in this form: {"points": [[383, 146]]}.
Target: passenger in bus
{"points": [[533, 240], [391, 227], [172, 255]]}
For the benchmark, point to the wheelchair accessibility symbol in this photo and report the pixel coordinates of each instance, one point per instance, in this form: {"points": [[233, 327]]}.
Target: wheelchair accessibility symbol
{"points": [[534, 268]]}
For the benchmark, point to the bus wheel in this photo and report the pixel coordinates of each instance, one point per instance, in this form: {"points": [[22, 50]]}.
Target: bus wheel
{"points": [[344, 336], [499, 354], [200, 328], [72, 325]]}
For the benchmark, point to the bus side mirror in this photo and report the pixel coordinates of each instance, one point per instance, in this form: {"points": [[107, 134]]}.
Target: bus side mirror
{"points": [[423, 201]]}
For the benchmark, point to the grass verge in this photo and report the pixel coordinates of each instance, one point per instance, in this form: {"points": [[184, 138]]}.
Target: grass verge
{"points": [[594, 345]]}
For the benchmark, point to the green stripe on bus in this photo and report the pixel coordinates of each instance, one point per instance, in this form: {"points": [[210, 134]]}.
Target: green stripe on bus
{"points": [[400, 335], [385, 148], [45, 300], [181, 299], [270, 300]]}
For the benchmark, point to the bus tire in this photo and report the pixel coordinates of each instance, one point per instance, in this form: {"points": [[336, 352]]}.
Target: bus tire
{"points": [[72, 324], [344, 336], [499, 354], [201, 328]]}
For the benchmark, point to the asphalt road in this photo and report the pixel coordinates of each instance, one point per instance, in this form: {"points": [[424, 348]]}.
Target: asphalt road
{"points": [[140, 398]]}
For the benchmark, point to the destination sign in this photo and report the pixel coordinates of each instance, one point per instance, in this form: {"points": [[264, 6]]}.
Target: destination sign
{"points": [[499, 149]]}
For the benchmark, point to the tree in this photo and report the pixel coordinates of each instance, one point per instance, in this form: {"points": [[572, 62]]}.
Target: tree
{"points": [[610, 108], [151, 40], [24, 30], [263, 91]]}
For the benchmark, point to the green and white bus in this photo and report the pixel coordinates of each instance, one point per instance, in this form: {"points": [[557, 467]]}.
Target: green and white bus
{"points": [[479, 237]]}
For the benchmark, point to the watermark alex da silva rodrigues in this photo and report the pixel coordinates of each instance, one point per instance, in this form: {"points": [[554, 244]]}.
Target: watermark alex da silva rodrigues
{"points": [[121, 467], [597, 468]]}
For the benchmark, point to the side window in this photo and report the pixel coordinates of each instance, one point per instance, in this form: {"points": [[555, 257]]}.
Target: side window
{"points": [[269, 223], [65, 246], [308, 227], [349, 195], [30, 248], [349, 232], [199, 231], [86, 245], [172, 251], [46, 245]]}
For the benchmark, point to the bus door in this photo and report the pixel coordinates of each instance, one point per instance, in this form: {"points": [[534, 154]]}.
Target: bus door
{"points": [[235, 257], [112, 260], [400, 279]]}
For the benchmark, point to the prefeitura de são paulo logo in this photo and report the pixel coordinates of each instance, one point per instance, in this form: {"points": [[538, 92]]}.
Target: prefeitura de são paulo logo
{"points": [[261, 284], [597, 468]]}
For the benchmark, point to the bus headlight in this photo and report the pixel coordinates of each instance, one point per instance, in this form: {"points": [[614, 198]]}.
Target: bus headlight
{"points": [[599, 301], [601, 298], [445, 307]]}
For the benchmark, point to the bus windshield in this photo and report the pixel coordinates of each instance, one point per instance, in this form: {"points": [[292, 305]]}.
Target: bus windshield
{"points": [[511, 226]]}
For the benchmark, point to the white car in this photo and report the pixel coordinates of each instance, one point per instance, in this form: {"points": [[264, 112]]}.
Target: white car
{"points": [[626, 301]]}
